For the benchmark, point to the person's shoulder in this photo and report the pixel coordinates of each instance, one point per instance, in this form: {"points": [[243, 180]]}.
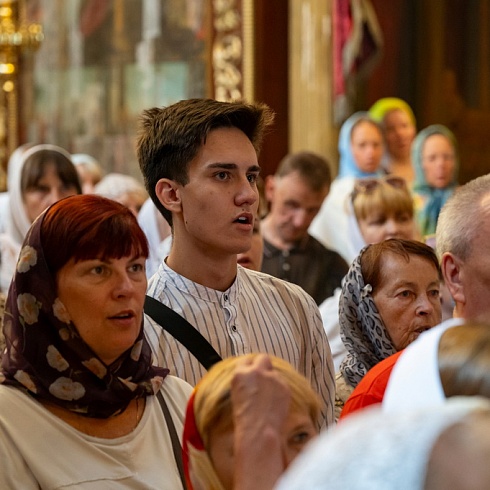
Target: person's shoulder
{"points": [[177, 387], [331, 254], [372, 386], [14, 400]]}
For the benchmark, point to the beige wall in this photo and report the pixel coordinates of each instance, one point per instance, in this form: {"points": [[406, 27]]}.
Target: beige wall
{"points": [[310, 79]]}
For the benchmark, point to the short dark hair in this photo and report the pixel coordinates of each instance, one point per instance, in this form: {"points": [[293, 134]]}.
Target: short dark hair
{"points": [[89, 226], [170, 137], [312, 168], [371, 259], [35, 166]]}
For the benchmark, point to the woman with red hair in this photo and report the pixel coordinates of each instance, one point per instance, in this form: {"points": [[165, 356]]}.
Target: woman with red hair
{"points": [[77, 374]]}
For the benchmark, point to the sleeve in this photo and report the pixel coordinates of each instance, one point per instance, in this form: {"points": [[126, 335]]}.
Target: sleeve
{"points": [[323, 374], [329, 311]]}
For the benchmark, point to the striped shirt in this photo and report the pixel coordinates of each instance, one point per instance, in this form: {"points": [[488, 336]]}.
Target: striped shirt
{"points": [[258, 313]]}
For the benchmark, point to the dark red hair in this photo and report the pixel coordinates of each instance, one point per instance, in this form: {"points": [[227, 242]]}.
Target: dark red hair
{"points": [[88, 226]]}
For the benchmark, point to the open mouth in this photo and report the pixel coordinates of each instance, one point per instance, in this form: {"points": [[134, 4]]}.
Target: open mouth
{"points": [[122, 316], [243, 220]]}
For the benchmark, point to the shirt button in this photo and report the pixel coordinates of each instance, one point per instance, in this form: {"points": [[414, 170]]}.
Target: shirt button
{"points": [[226, 297], [233, 328], [286, 267]]}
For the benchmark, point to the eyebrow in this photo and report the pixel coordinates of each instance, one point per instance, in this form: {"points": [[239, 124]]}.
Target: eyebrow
{"points": [[413, 285], [233, 166]]}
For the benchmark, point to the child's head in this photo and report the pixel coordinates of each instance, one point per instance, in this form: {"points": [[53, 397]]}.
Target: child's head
{"points": [[384, 209]]}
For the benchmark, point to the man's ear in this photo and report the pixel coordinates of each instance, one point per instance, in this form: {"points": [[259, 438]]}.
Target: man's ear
{"points": [[168, 193], [453, 273], [269, 186]]}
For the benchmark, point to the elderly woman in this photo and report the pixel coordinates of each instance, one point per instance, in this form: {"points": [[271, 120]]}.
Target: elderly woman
{"points": [[124, 189], [79, 397], [256, 402], [389, 297], [379, 208], [38, 176], [436, 162], [397, 121]]}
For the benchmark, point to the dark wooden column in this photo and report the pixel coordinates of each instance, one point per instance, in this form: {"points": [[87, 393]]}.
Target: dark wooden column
{"points": [[271, 75]]}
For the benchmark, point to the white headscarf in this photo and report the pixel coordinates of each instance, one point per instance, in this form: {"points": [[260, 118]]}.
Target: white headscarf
{"points": [[415, 381], [371, 450], [17, 222], [14, 222]]}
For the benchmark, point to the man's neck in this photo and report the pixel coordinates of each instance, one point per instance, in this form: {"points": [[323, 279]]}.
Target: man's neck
{"points": [[267, 230], [214, 273]]}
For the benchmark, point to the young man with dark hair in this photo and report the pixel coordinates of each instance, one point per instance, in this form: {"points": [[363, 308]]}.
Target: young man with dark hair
{"points": [[199, 158]]}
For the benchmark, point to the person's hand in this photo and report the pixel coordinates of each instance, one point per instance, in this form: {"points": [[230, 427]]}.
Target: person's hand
{"points": [[260, 400], [259, 395]]}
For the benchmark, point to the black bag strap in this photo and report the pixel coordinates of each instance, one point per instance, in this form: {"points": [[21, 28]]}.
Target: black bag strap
{"points": [[183, 331], [176, 447]]}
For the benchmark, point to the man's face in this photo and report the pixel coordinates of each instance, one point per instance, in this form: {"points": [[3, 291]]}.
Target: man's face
{"points": [[220, 200], [474, 273], [293, 205]]}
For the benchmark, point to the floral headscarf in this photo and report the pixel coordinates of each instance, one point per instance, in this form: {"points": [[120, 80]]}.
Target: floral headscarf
{"points": [[347, 164], [46, 356], [361, 328], [435, 198]]}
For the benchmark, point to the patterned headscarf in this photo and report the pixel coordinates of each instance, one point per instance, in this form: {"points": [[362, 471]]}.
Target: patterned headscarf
{"points": [[46, 357], [347, 164], [361, 328], [435, 198]]}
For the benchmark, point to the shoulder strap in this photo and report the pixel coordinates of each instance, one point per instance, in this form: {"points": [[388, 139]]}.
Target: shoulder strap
{"points": [[183, 331], [176, 447]]}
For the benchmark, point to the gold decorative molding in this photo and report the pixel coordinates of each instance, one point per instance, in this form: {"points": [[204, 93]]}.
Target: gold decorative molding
{"points": [[232, 49], [16, 36]]}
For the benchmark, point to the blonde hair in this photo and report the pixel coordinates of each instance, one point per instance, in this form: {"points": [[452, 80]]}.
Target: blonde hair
{"points": [[212, 401], [464, 360], [382, 198]]}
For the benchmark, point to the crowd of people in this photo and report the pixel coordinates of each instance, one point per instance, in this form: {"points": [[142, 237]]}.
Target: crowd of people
{"points": [[200, 328]]}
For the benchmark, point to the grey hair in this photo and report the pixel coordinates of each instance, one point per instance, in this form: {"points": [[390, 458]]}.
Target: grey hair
{"points": [[460, 218]]}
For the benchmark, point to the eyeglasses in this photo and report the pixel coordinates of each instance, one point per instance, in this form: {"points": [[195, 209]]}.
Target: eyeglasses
{"points": [[367, 186]]}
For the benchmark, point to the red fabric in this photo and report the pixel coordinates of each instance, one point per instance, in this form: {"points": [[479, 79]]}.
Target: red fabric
{"points": [[372, 387], [342, 29], [191, 436], [93, 15]]}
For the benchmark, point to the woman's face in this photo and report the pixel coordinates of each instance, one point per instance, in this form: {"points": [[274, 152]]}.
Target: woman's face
{"points": [[104, 300], [379, 226], [298, 430], [438, 161], [399, 133], [407, 297], [367, 146], [48, 190]]}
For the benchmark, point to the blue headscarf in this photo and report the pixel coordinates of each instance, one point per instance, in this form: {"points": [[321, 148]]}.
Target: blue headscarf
{"points": [[347, 165], [435, 198]]}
